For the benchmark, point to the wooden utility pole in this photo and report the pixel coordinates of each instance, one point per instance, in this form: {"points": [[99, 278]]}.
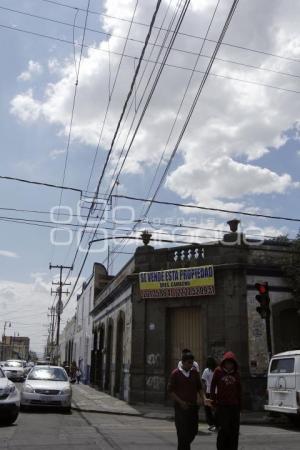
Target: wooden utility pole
{"points": [[52, 316], [59, 305]]}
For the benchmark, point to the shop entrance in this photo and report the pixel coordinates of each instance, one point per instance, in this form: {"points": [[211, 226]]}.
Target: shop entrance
{"points": [[109, 343], [184, 331]]}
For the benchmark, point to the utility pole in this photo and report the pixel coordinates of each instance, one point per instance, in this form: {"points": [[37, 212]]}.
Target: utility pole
{"points": [[59, 305], [51, 333]]}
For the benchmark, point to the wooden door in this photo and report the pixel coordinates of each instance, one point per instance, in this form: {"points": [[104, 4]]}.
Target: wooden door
{"points": [[185, 331]]}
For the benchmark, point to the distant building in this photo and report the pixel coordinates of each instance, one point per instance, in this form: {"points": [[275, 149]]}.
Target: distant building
{"points": [[14, 347]]}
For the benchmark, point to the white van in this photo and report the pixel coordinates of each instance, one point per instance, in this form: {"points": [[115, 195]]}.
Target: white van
{"points": [[284, 384]]}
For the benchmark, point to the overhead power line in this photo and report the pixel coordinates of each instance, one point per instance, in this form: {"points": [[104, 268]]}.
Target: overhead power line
{"points": [[115, 135], [139, 41], [205, 208], [75, 227], [136, 72], [196, 98], [40, 183], [143, 94], [177, 27], [74, 101], [182, 100], [66, 41], [111, 147], [110, 96], [153, 88], [228, 44]]}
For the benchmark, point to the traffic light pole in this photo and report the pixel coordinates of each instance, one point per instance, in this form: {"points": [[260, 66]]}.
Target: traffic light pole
{"points": [[269, 338], [264, 311]]}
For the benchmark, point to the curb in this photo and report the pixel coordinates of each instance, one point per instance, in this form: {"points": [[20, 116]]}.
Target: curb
{"points": [[262, 421], [148, 415], [75, 407]]}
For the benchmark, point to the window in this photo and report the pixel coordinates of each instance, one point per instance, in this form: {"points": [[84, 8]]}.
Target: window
{"points": [[51, 374], [13, 364], [285, 365]]}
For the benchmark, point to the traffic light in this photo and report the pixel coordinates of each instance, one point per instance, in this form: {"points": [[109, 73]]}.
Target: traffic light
{"points": [[263, 299]]}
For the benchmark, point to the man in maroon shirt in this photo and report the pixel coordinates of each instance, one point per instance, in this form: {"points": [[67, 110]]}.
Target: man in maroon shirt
{"points": [[226, 396], [185, 389]]}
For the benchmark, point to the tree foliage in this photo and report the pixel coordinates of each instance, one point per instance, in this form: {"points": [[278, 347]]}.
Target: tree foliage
{"points": [[291, 266]]}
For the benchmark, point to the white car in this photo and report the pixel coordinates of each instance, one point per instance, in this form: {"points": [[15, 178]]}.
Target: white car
{"points": [[9, 400], [14, 370], [47, 386]]}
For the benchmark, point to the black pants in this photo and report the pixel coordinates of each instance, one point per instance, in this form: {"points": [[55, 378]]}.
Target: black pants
{"points": [[228, 422], [186, 422], [210, 417]]}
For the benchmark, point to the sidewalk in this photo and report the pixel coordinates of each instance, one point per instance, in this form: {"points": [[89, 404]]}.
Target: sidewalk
{"points": [[88, 399]]}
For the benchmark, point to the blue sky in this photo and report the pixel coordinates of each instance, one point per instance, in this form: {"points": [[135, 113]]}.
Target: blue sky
{"points": [[240, 152]]}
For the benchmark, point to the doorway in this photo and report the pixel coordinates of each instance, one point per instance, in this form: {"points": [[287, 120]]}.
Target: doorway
{"points": [[107, 383], [184, 331], [119, 356], [100, 357]]}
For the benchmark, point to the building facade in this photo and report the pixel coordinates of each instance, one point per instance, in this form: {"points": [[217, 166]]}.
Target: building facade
{"points": [[66, 342], [137, 341], [76, 338]]}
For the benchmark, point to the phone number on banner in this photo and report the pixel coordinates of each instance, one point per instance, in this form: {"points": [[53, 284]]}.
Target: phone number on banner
{"points": [[178, 292]]}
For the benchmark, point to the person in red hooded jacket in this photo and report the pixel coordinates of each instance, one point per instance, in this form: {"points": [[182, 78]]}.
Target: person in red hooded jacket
{"points": [[226, 397]]}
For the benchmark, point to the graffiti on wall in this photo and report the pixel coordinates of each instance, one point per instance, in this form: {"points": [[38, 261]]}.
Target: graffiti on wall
{"points": [[155, 383], [153, 359]]}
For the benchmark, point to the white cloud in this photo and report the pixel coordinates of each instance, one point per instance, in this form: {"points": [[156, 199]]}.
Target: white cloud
{"points": [[210, 180], [8, 254], [25, 107], [34, 68], [233, 121], [56, 152]]}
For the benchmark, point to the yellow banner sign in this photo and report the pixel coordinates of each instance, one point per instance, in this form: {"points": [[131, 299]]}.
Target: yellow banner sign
{"points": [[187, 282]]}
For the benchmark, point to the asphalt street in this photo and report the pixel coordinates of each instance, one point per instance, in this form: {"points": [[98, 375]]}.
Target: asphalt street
{"points": [[45, 430]]}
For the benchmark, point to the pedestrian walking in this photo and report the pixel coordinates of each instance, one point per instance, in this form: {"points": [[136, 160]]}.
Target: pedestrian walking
{"points": [[195, 364], [206, 378], [73, 369], [226, 396], [78, 375], [185, 388]]}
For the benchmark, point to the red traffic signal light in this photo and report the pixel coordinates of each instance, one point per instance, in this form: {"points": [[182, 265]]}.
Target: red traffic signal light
{"points": [[262, 288], [263, 299]]}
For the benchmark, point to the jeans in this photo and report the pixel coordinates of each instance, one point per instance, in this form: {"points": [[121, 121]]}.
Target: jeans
{"points": [[228, 422], [186, 422]]}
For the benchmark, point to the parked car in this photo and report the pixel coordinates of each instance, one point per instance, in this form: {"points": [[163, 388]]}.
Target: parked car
{"points": [[9, 400], [47, 386], [14, 370], [284, 385]]}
